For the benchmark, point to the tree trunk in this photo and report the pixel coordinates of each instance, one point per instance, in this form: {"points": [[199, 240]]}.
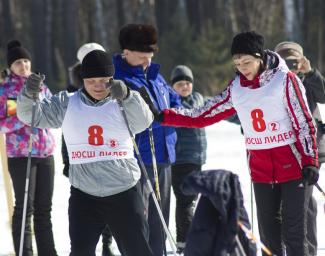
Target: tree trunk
{"points": [[7, 23], [321, 21], [41, 33], [99, 23], [70, 17], [290, 20]]}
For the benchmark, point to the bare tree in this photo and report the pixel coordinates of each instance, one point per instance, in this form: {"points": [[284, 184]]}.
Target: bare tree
{"points": [[6, 13]]}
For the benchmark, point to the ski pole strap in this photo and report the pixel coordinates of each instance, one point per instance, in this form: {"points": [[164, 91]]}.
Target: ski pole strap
{"points": [[251, 236]]}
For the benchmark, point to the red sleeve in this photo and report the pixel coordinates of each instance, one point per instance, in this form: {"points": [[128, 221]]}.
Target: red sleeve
{"points": [[215, 110], [302, 121]]}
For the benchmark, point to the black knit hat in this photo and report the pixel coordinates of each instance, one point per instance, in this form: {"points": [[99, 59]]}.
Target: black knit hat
{"points": [[138, 37], [15, 51], [97, 63], [248, 43]]}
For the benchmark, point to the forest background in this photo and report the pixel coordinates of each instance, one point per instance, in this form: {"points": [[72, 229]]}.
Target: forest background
{"points": [[197, 33]]}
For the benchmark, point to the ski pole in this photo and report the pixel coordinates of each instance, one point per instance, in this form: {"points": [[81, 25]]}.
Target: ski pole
{"points": [[320, 189], [252, 207], [251, 236], [240, 247], [142, 166], [156, 177], [29, 160], [144, 94], [154, 164]]}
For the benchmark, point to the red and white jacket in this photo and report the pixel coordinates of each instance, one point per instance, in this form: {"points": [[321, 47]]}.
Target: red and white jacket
{"points": [[278, 127]]}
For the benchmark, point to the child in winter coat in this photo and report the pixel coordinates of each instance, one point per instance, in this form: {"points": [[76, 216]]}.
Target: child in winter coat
{"points": [[41, 182], [103, 171], [280, 138], [190, 149]]}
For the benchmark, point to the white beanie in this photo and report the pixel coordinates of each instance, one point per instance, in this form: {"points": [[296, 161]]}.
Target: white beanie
{"points": [[86, 48]]}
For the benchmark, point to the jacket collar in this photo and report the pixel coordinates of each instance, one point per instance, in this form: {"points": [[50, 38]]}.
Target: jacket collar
{"points": [[253, 84], [273, 63], [151, 72]]}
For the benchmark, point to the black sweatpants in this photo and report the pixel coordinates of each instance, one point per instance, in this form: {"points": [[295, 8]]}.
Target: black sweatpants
{"points": [[282, 216], [40, 194], [123, 212], [184, 203]]}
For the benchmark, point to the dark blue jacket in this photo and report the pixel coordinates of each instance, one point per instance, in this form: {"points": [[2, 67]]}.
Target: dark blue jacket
{"points": [[163, 97], [215, 222], [191, 143]]}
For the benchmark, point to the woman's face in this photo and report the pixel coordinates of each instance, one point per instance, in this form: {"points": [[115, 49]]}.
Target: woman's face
{"points": [[183, 88], [21, 67], [97, 87], [247, 65]]}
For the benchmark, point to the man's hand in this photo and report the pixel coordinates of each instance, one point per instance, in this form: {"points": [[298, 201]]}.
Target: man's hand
{"points": [[304, 65], [118, 89], [310, 174], [34, 84]]}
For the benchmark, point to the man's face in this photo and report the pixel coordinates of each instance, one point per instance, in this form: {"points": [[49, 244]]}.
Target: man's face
{"points": [[97, 87], [135, 58]]}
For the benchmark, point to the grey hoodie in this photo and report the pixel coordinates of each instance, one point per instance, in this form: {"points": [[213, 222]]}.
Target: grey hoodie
{"points": [[103, 178]]}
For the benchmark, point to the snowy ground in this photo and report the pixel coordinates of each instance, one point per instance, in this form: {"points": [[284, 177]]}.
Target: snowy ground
{"points": [[225, 150]]}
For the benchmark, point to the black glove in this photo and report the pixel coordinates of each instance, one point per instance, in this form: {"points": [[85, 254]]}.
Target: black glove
{"points": [[66, 170], [33, 85], [118, 89], [310, 174], [158, 116]]}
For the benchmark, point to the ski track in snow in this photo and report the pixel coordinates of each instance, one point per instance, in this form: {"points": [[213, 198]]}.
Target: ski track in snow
{"points": [[226, 150]]}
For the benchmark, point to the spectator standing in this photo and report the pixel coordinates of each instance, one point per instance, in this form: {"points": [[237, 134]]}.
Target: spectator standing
{"points": [[134, 66], [314, 84], [41, 183], [191, 149]]}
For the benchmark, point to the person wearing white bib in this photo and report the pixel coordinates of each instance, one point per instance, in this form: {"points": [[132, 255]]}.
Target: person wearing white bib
{"points": [[280, 138], [314, 84], [75, 83], [103, 171]]}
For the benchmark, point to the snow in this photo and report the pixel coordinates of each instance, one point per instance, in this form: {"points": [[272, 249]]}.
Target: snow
{"points": [[226, 150]]}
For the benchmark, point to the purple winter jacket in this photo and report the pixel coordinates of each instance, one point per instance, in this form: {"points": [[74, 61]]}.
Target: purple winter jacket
{"points": [[17, 133]]}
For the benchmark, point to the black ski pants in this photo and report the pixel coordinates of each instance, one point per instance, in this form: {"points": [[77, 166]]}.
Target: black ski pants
{"points": [[312, 227], [282, 216], [157, 237], [123, 212], [39, 205]]}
